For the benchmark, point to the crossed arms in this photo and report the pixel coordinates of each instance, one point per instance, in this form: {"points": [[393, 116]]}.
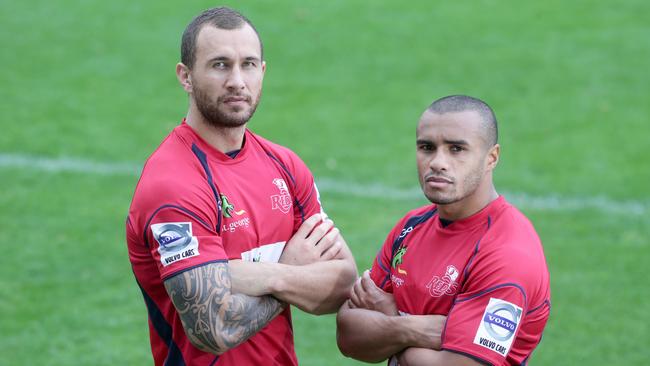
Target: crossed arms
{"points": [[370, 329], [223, 304]]}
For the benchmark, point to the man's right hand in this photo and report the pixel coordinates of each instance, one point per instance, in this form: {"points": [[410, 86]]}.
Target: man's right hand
{"points": [[365, 294], [316, 240]]}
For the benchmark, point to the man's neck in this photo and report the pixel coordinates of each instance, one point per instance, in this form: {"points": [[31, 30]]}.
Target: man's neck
{"points": [[469, 205], [224, 139]]}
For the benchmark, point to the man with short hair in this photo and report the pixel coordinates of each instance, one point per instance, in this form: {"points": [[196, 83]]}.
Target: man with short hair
{"points": [[226, 229], [463, 281]]}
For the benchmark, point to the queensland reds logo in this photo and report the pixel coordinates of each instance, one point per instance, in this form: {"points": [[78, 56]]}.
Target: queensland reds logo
{"points": [[446, 285], [281, 201]]}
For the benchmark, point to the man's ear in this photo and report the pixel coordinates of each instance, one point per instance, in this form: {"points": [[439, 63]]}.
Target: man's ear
{"points": [[184, 77], [493, 157]]}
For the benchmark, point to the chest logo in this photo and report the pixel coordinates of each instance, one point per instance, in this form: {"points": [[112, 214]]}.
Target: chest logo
{"points": [[445, 285], [397, 260], [228, 208], [281, 201]]}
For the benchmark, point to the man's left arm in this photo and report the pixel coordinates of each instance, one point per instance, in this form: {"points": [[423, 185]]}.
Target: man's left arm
{"points": [[315, 273]]}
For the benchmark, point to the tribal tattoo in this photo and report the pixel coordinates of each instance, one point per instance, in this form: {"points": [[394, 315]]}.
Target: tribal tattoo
{"points": [[215, 319]]}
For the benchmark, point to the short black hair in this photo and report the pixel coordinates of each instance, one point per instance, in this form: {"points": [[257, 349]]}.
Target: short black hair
{"points": [[461, 103], [222, 18]]}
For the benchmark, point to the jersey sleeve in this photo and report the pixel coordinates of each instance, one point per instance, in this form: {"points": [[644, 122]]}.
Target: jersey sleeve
{"points": [[486, 316], [179, 240]]}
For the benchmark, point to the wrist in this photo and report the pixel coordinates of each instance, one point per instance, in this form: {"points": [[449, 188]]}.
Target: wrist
{"points": [[418, 332], [276, 279], [403, 329]]}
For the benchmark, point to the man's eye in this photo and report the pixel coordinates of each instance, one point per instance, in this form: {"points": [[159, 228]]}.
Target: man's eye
{"points": [[456, 148], [249, 64], [219, 65], [425, 147]]}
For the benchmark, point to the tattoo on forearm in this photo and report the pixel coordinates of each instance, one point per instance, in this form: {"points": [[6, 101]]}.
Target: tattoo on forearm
{"points": [[214, 319]]}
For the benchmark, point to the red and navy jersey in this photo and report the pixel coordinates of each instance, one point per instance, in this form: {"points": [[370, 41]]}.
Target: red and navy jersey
{"points": [[487, 273], [194, 205]]}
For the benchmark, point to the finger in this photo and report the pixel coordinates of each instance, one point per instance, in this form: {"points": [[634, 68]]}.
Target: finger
{"points": [[328, 240], [308, 225], [320, 231], [354, 296], [367, 283], [332, 252]]}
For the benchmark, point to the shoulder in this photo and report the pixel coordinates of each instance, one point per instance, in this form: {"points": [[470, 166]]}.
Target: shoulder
{"points": [[420, 215], [282, 154], [171, 175], [412, 219], [512, 230], [512, 252]]}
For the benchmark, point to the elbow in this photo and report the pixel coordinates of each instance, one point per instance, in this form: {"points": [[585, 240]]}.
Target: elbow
{"points": [[345, 335], [342, 341]]}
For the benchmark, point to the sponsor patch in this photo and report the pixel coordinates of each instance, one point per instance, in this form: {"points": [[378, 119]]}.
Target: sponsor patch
{"points": [[498, 326], [175, 241], [231, 227], [264, 253]]}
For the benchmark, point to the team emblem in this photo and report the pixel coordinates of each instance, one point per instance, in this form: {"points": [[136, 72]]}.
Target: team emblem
{"points": [[281, 201], [397, 260], [228, 209], [445, 285]]}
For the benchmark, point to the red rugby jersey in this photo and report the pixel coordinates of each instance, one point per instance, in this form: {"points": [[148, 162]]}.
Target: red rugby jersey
{"points": [[194, 205], [487, 273]]}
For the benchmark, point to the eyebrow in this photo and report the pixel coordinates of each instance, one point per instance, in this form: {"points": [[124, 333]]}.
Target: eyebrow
{"points": [[456, 142], [447, 142], [225, 58]]}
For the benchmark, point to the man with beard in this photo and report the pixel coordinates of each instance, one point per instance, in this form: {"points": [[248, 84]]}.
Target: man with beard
{"points": [[225, 229], [463, 281]]}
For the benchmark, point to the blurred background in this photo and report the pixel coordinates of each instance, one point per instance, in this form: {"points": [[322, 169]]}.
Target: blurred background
{"points": [[88, 91]]}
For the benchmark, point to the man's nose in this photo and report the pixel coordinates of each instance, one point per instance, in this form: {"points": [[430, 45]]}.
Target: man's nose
{"points": [[235, 79], [439, 161]]}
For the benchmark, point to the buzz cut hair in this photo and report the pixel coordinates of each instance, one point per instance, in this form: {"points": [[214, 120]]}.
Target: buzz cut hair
{"points": [[462, 103], [223, 18]]}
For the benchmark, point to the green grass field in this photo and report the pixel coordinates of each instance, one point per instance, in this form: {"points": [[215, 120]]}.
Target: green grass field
{"points": [[93, 82]]}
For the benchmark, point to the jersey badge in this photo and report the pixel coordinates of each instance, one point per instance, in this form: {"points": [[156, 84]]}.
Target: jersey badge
{"points": [[397, 260], [498, 326], [445, 285], [281, 201], [228, 208], [175, 241]]}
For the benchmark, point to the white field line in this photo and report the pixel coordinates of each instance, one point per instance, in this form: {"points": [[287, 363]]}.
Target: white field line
{"points": [[375, 191]]}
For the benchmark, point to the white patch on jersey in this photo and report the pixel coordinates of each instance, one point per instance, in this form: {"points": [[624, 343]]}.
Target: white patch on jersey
{"points": [[264, 253], [322, 211], [175, 241], [498, 326]]}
